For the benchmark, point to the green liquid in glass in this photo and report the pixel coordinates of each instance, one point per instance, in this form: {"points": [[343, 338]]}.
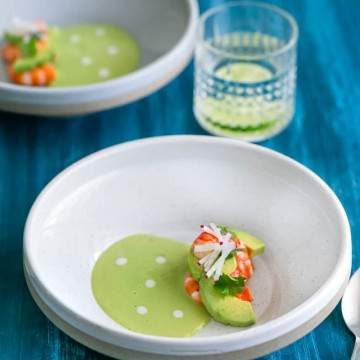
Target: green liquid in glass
{"points": [[247, 111]]}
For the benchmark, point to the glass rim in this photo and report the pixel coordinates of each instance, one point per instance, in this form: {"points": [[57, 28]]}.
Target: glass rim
{"points": [[257, 4]]}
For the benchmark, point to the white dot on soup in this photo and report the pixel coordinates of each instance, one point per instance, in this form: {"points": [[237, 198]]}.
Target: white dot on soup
{"points": [[121, 261], [74, 39], [160, 259], [86, 60], [104, 72], [150, 283], [100, 32], [178, 314], [142, 310], [112, 50]]}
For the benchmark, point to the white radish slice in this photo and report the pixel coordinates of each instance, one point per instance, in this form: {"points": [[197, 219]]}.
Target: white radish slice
{"points": [[205, 258], [211, 260], [208, 230], [206, 247]]}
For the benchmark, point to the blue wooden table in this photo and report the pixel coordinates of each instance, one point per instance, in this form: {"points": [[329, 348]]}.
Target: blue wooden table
{"points": [[325, 136]]}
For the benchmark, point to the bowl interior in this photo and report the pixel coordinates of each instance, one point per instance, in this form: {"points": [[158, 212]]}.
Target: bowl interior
{"points": [[157, 25], [169, 187]]}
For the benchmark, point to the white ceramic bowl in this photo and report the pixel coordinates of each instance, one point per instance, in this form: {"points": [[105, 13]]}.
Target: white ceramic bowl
{"points": [[165, 30], [168, 186]]}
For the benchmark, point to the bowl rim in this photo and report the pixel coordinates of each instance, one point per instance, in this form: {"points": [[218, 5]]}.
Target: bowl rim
{"points": [[116, 351], [196, 345], [122, 81]]}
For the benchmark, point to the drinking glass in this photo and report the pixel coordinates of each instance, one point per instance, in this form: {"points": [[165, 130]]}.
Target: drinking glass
{"points": [[245, 70]]}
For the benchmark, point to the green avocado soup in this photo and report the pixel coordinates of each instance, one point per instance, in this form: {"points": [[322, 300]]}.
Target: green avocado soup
{"points": [[138, 282], [91, 53]]}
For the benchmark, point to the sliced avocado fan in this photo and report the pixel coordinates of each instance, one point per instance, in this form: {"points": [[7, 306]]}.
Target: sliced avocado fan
{"points": [[226, 309]]}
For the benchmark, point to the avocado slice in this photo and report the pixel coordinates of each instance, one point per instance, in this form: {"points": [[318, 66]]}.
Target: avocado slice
{"points": [[26, 64], [226, 309], [229, 266], [196, 270], [255, 245], [194, 267]]}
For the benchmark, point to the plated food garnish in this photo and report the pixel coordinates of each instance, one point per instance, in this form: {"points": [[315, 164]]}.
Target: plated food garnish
{"points": [[36, 54], [220, 265], [139, 282], [28, 53]]}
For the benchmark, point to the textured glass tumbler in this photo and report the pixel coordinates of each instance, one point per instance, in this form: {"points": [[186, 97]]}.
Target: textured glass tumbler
{"points": [[245, 70]]}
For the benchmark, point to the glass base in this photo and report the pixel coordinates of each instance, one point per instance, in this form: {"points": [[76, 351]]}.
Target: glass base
{"points": [[257, 134]]}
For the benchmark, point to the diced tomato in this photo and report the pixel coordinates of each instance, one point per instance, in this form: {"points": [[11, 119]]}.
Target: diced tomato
{"points": [[205, 237], [191, 285], [246, 295], [50, 72], [38, 76], [192, 288], [10, 53]]}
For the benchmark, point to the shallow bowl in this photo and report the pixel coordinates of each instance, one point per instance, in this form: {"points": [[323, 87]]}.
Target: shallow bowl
{"points": [[164, 29], [168, 186]]}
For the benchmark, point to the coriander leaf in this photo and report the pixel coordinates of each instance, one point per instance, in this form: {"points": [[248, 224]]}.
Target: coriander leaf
{"points": [[26, 64], [228, 285], [28, 47], [231, 254], [224, 230], [12, 38]]}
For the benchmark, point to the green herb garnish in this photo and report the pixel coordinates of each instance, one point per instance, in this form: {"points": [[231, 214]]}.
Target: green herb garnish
{"points": [[28, 46], [224, 230], [12, 38], [231, 254], [26, 64], [228, 285]]}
